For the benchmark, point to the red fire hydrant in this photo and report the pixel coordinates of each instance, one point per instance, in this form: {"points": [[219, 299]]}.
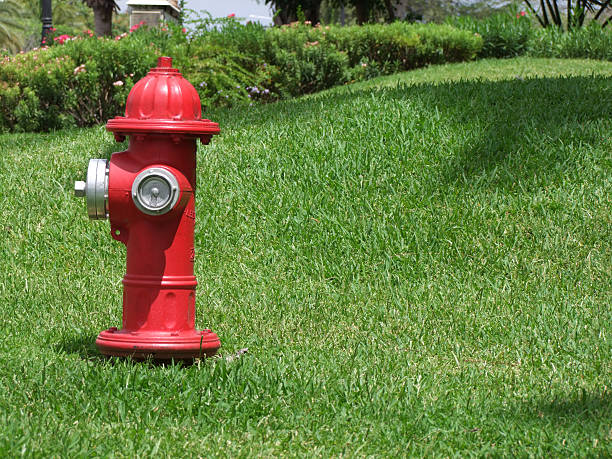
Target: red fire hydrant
{"points": [[148, 193]]}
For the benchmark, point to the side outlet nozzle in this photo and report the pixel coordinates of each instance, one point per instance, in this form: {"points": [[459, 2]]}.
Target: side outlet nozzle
{"points": [[95, 189]]}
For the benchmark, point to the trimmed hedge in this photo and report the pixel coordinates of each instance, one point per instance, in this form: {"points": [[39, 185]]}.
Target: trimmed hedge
{"points": [[314, 58], [86, 80]]}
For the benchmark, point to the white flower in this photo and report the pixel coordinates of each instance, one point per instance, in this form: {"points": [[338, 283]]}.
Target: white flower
{"points": [[79, 69]]}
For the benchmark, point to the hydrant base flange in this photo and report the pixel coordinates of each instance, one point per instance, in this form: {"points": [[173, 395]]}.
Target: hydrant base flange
{"points": [[187, 345]]}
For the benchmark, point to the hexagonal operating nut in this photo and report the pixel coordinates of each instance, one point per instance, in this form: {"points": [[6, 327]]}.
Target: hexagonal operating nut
{"points": [[79, 188]]}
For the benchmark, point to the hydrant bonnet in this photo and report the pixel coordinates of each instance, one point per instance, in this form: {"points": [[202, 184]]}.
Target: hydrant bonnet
{"points": [[163, 102]]}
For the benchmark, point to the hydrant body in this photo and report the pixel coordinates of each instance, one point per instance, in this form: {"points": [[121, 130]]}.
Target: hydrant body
{"points": [[148, 193]]}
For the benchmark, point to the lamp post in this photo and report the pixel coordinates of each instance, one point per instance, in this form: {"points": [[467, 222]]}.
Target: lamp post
{"points": [[46, 18]]}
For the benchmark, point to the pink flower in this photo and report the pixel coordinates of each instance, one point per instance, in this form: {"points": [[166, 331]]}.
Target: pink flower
{"points": [[233, 15], [118, 83], [62, 39], [184, 30]]}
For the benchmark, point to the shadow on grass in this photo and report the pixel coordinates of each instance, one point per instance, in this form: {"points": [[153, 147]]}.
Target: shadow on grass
{"points": [[83, 345], [505, 131], [583, 412], [579, 407], [521, 130]]}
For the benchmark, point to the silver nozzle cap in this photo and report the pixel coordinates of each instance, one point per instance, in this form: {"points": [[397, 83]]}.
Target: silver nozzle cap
{"points": [[95, 189], [79, 188]]}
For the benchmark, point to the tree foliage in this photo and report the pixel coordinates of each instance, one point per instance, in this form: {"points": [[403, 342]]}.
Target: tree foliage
{"points": [[287, 11], [11, 29], [362, 11], [71, 13]]}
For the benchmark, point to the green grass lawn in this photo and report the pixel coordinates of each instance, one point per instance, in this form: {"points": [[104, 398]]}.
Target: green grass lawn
{"points": [[418, 265]]}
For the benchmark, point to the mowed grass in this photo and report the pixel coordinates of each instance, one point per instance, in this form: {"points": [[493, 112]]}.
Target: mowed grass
{"points": [[419, 265]]}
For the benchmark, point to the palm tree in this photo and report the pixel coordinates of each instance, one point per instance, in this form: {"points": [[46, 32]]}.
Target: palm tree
{"points": [[11, 30], [103, 15]]}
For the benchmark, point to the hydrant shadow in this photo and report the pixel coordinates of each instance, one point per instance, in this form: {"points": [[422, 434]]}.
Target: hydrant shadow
{"points": [[84, 346]]}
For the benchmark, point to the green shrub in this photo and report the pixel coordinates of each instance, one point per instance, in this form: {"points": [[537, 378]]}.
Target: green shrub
{"points": [[80, 83], [444, 43], [403, 46], [311, 58], [218, 75], [32, 95], [590, 42], [229, 33], [503, 35], [313, 68], [84, 81], [219, 68], [388, 48], [302, 60]]}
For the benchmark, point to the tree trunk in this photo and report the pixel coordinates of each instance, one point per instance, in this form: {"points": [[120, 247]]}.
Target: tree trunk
{"points": [[312, 15], [362, 11], [390, 11], [103, 20]]}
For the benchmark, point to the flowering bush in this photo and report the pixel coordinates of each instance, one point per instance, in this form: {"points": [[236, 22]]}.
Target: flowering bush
{"points": [[59, 37], [80, 80], [75, 84]]}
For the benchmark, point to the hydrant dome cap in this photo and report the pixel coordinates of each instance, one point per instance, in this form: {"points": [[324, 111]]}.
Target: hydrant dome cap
{"points": [[163, 102]]}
